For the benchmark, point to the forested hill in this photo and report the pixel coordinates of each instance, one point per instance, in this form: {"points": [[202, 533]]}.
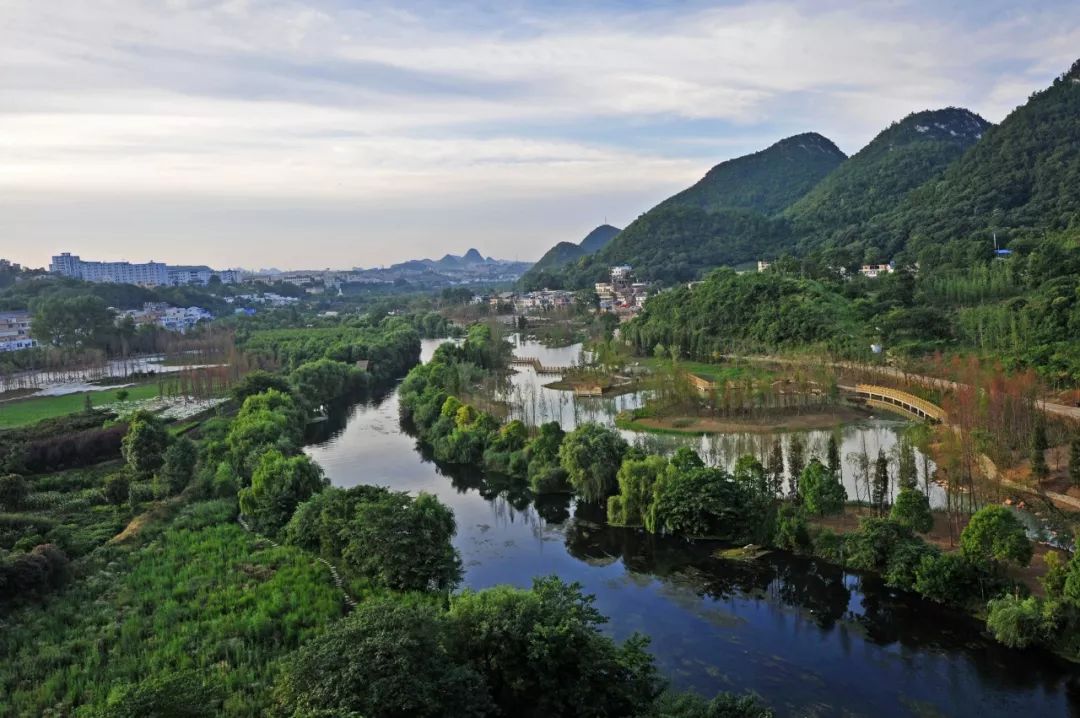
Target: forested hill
{"points": [[1021, 181], [724, 219], [765, 181], [876, 179], [539, 275]]}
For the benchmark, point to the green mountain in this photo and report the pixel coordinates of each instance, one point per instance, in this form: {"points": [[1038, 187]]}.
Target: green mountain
{"points": [[877, 178], [598, 238], [765, 181], [1021, 181], [674, 244], [542, 274], [724, 219]]}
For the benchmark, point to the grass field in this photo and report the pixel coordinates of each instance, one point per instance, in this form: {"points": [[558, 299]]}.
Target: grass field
{"points": [[21, 412]]}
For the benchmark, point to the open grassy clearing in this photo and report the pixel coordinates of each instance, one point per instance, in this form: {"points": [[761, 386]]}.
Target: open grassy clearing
{"points": [[22, 412], [194, 593]]}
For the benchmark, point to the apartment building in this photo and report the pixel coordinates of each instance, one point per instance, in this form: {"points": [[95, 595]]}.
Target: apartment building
{"points": [[15, 331]]}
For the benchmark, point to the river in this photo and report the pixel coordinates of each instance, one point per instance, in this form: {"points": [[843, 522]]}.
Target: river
{"points": [[810, 638]]}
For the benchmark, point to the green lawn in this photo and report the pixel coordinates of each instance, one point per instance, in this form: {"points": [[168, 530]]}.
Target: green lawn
{"points": [[28, 411]]}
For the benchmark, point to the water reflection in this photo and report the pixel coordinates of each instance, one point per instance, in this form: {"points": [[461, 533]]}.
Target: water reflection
{"points": [[811, 638]]}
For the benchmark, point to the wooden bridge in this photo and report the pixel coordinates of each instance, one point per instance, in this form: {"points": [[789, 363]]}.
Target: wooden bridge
{"points": [[900, 401], [539, 367]]}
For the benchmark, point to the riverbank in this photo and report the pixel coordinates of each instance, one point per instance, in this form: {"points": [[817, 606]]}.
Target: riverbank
{"points": [[834, 417]]}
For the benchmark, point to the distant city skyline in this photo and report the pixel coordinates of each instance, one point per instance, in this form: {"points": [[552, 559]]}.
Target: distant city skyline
{"points": [[339, 133]]}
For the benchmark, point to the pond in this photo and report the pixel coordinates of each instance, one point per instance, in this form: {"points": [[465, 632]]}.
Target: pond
{"points": [[811, 638]]}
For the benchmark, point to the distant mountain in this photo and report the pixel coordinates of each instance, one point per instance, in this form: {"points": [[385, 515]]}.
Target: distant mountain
{"points": [[876, 179], [598, 238], [765, 181], [563, 253]]}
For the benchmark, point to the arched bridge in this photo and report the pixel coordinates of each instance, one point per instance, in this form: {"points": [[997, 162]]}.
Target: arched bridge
{"points": [[901, 401]]}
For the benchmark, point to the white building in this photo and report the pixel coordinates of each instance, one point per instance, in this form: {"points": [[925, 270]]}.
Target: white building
{"points": [[15, 331], [174, 319], [873, 271], [147, 274]]}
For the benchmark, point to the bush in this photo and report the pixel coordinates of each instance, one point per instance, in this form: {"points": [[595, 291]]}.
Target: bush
{"points": [[995, 534], [180, 695], [117, 488], [144, 444], [790, 532], [13, 492], [178, 468], [912, 509], [1017, 622], [946, 578]]}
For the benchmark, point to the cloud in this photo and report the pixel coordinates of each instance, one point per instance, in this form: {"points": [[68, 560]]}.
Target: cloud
{"points": [[376, 105]]}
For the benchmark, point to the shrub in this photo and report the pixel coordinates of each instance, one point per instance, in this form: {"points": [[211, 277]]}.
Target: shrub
{"points": [[995, 534], [13, 492], [117, 488], [912, 509], [1016, 622]]}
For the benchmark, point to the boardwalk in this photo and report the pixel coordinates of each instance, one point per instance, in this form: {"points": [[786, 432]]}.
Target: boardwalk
{"points": [[539, 367]]}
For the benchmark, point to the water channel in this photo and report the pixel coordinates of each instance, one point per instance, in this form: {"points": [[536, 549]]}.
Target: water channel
{"points": [[810, 638]]}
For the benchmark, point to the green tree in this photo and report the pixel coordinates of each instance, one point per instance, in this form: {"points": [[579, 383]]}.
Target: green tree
{"points": [[13, 492], [995, 534], [1039, 444], [385, 660], [178, 468], [592, 455], [879, 489], [1016, 622], [907, 470], [257, 382], [832, 455], [278, 485], [1074, 461], [790, 532], [946, 578], [542, 653], [821, 490], [796, 461], [636, 478], [403, 543], [775, 467], [117, 488], [144, 445], [71, 322], [545, 473], [750, 474], [912, 509]]}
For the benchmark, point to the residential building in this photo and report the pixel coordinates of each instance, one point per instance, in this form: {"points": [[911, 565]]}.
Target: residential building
{"points": [[174, 319], [147, 274], [873, 271], [762, 265], [15, 331]]}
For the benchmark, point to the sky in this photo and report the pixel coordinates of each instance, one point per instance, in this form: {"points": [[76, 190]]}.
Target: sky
{"points": [[340, 133]]}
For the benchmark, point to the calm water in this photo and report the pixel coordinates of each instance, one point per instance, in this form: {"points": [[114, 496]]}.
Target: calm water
{"points": [[810, 638]]}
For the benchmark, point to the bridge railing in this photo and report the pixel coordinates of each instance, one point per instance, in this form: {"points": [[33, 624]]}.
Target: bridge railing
{"points": [[913, 404]]}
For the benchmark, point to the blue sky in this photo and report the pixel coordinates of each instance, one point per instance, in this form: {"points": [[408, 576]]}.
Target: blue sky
{"points": [[338, 133]]}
